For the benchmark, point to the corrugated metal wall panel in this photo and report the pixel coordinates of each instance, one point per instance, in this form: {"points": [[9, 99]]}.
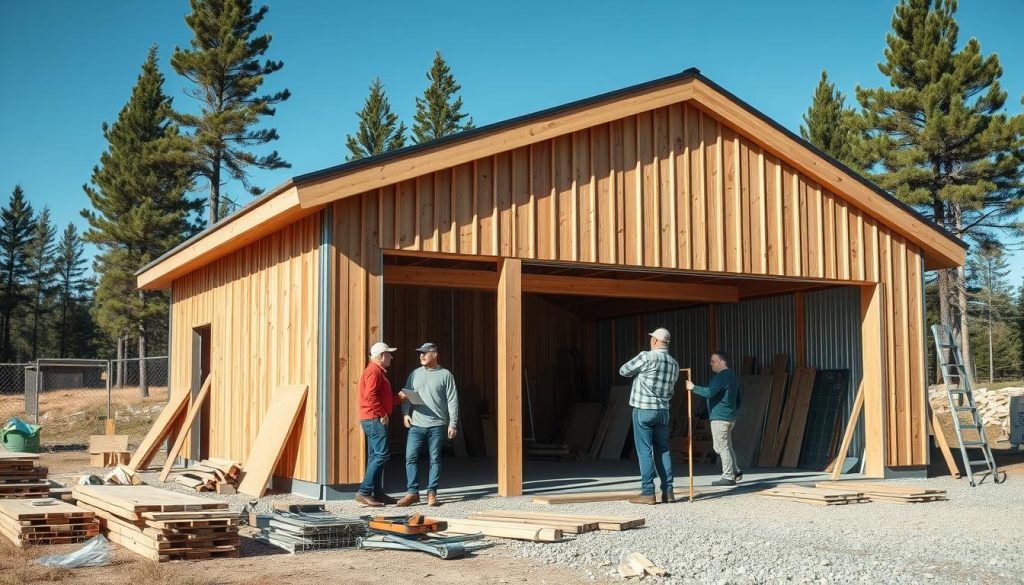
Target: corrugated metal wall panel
{"points": [[689, 329], [759, 328], [832, 320]]}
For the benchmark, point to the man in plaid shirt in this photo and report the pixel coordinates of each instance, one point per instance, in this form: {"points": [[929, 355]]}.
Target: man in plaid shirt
{"points": [[654, 376]]}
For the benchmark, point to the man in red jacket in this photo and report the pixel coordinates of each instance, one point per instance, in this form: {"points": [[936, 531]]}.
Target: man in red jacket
{"points": [[375, 405]]}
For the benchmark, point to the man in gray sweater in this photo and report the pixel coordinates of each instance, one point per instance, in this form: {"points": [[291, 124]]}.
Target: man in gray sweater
{"points": [[430, 405]]}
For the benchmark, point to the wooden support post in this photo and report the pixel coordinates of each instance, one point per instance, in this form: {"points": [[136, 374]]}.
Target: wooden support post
{"points": [[510, 378], [873, 352], [801, 331], [940, 440]]}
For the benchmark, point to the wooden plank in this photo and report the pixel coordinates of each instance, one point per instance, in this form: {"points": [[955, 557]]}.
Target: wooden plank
{"points": [[502, 529], [589, 497], [29, 509], [767, 456], [144, 498], [851, 427], [159, 431], [565, 526], [108, 444], [284, 410], [798, 420], [940, 440], [603, 522], [873, 347], [510, 378], [186, 427]]}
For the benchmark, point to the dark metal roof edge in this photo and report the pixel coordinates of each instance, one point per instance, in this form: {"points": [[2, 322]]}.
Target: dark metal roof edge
{"points": [[242, 211], [852, 173]]}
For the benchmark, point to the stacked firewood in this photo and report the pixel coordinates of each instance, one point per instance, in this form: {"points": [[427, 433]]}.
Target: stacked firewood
{"points": [[212, 475]]}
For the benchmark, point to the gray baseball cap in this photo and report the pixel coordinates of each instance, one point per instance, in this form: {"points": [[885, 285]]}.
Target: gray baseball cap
{"points": [[661, 334], [427, 347]]}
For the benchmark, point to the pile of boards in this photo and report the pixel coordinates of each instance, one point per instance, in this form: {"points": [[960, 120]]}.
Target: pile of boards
{"points": [[993, 406], [161, 525], [212, 475], [21, 476], [549, 526], [613, 427], [45, 521], [310, 527], [832, 493]]}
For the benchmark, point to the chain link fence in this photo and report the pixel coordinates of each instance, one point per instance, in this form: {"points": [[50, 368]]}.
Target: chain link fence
{"points": [[74, 398]]}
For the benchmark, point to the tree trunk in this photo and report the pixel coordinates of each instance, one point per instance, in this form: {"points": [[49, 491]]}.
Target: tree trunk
{"points": [[119, 381], [215, 193], [143, 380], [64, 327], [960, 289], [35, 325], [945, 290]]}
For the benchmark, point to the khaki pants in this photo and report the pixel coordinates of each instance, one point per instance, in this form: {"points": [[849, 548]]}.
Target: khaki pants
{"points": [[721, 433]]}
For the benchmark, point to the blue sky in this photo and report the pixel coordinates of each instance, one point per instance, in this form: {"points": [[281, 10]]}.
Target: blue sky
{"points": [[68, 66]]}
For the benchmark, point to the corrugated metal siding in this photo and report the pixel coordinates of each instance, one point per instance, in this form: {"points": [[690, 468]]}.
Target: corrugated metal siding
{"points": [[832, 320], [759, 328]]}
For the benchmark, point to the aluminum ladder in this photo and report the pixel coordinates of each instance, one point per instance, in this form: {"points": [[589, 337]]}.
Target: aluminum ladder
{"points": [[961, 400]]}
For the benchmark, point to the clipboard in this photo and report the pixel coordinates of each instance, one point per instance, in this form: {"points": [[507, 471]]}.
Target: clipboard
{"points": [[413, 397]]}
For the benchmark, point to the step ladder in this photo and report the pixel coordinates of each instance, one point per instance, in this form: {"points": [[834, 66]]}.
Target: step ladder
{"points": [[961, 400]]}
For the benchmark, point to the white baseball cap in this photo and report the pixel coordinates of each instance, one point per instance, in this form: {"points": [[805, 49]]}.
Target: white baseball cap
{"points": [[661, 334], [380, 347]]}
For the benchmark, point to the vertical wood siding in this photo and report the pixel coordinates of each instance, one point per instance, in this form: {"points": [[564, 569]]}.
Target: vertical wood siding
{"points": [[261, 305]]}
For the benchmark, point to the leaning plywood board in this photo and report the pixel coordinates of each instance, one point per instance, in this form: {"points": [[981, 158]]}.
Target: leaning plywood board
{"points": [[186, 427], [284, 410], [756, 391], [798, 420], [620, 422], [160, 429]]}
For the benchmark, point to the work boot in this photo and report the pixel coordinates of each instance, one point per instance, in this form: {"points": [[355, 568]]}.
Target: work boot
{"points": [[368, 501], [641, 499], [408, 500], [385, 499], [668, 497], [432, 499], [724, 482], [739, 475]]}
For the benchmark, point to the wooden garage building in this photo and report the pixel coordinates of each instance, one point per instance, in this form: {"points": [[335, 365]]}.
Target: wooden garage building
{"points": [[672, 193]]}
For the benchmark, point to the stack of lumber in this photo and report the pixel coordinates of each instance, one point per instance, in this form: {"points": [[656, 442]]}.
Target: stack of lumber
{"points": [[212, 475], [613, 428], [161, 525], [21, 476], [45, 521], [880, 492], [817, 496], [993, 406], [309, 527], [527, 532], [590, 497], [108, 450], [567, 523]]}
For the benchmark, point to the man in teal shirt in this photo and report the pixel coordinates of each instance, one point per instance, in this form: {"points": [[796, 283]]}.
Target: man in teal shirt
{"points": [[723, 395]]}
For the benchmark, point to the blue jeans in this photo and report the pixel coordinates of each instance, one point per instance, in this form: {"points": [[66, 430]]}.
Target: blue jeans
{"points": [[376, 456], [434, 437], [650, 431]]}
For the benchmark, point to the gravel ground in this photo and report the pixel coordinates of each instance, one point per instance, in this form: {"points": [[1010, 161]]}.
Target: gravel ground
{"points": [[736, 537]]}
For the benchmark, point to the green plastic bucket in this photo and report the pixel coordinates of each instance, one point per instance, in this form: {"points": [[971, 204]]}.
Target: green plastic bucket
{"points": [[19, 441]]}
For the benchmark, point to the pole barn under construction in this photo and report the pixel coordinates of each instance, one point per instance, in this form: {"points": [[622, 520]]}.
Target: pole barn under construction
{"points": [[537, 252]]}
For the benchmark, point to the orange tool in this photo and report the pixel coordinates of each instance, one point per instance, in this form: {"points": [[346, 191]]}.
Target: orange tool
{"points": [[415, 524]]}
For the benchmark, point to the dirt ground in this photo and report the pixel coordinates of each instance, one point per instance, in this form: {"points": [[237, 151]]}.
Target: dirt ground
{"points": [[261, 564]]}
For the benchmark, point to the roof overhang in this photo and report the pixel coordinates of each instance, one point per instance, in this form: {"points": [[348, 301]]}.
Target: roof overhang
{"points": [[306, 194]]}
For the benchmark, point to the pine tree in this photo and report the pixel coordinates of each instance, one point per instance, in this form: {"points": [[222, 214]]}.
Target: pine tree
{"points": [[72, 287], [139, 210], [940, 137], [831, 126], [39, 279], [379, 128], [439, 111], [992, 326], [17, 221], [224, 66]]}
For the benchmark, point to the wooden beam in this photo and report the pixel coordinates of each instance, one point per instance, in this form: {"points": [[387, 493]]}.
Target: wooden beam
{"points": [[510, 379], [851, 426], [562, 285], [185, 428], [453, 153], [872, 355], [940, 440], [944, 252], [248, 225]]}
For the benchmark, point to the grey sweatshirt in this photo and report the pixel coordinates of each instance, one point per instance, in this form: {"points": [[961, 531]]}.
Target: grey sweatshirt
{"points": [[440, 398]]}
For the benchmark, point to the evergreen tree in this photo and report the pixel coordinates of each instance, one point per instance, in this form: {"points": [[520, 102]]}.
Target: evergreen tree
{"points": [[379, 128], [940, 137], [439, 111], [831, 126], [1020, 328], [40, 276], [17, 222], [224, 66], [139, 210], [72, 290], [992, 327]]}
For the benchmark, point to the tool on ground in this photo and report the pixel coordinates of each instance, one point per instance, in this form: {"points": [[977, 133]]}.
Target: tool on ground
{"points": [[415, 524], [954, 377], [443, 548]]}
